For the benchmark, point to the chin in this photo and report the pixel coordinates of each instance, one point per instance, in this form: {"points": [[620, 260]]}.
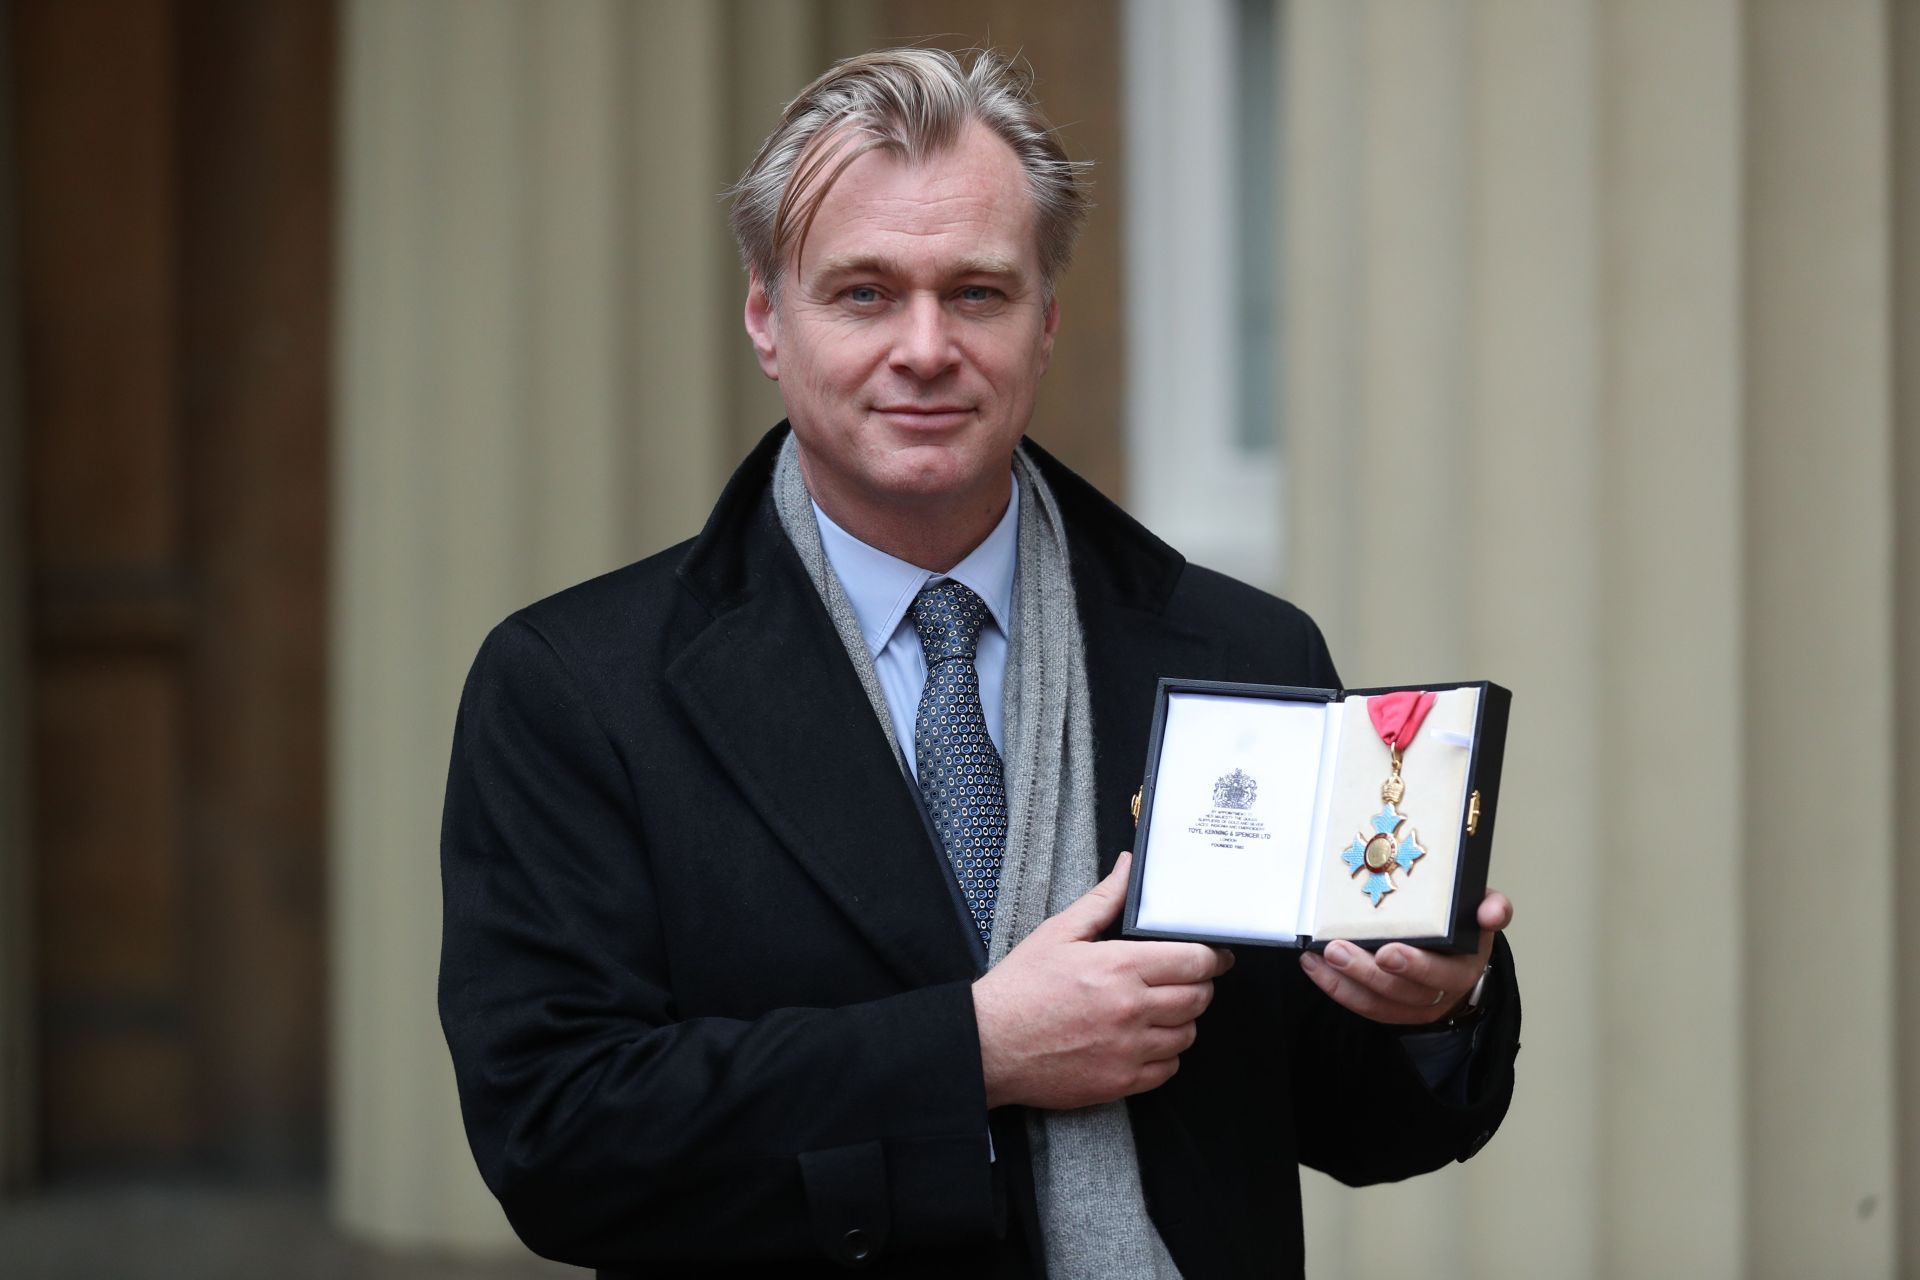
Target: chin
{"points": [[930, 472], [923, 482]]}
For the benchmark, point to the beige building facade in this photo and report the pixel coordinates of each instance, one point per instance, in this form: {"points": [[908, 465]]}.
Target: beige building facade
{"points": [[1617, 300]]}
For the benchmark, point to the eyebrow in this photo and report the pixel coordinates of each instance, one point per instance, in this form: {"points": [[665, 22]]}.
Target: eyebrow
{"points": [[873, 264]]}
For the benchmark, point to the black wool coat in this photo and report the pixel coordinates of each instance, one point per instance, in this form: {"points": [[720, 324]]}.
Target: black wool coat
{"points": [[702, 976]]}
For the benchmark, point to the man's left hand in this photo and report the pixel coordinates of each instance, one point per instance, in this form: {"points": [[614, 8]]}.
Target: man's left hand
{"points": [[1404, 985]]}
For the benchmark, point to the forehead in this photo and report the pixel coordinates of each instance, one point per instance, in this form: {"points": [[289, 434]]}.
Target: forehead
{"points": [[968, 201]]}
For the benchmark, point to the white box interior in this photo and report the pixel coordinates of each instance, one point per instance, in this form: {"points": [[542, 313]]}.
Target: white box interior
{"points": [[1237, 872], [1263, 861]]}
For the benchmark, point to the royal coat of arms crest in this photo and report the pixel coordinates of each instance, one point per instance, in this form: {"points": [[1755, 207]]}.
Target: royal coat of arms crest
{"points": [[1235, 791]]}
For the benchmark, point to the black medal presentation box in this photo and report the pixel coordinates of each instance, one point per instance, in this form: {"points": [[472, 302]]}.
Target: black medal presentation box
{"points": [[1293, 817]]}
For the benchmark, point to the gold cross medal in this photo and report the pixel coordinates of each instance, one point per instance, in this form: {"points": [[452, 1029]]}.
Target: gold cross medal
{"points": [[1383, 847]]}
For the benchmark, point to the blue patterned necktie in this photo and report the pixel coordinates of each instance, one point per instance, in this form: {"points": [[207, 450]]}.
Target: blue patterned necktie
{"points": [[960, 774]]}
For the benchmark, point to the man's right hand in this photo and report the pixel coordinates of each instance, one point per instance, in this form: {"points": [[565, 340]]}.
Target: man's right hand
{"points": [[1066, 1021]]}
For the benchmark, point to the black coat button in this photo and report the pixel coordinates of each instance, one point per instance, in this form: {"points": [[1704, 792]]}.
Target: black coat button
{"points": [[857, 1247]]}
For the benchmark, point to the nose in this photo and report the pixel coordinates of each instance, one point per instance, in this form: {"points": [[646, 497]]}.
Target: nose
{"points": [[923, 343]]}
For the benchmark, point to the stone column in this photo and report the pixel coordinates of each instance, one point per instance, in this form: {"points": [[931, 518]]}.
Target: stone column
{"points": [[1819, 730], [1669, 972], [1906, 480], [1596, 294]]}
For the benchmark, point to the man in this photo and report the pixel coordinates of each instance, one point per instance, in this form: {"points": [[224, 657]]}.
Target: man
{"points": [[778, 865]]}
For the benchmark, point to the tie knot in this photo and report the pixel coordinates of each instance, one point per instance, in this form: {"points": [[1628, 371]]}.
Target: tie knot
{"points": [[948, 616]]}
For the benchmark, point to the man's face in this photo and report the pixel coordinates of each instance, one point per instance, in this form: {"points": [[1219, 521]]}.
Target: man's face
{"points": [[910, 336]]}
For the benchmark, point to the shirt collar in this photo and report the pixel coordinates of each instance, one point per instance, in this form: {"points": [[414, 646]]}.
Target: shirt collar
{"points": [[882, 587]]}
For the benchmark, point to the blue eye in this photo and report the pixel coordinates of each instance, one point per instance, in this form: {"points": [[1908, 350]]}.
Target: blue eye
{"points": [[863, 294], [979, 293]]}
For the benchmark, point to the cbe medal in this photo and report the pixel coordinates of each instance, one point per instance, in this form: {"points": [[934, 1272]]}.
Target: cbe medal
{"points": [[1380, 849]]}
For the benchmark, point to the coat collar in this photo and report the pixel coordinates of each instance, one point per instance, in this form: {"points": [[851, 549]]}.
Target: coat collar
{"points": [[768, 685]]}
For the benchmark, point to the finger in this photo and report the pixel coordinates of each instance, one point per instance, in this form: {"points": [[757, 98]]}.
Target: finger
{"points": [[1086, 916], [1170, 1006], [1376, 974], [1152, 1075], [1432, 970], [1157, 1043], [1351, 995], [1160, 963], [1496, 911]]}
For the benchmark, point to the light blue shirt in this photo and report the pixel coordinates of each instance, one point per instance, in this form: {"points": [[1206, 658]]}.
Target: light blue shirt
{"points": [[882, 587]]}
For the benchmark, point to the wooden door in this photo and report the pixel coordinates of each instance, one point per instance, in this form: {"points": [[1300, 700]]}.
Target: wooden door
{"points": [[174, 183]]}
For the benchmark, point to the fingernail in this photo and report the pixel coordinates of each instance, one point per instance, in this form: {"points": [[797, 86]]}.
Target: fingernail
{"points": [[1310, 962], [1393, 961], [1337, 955]]}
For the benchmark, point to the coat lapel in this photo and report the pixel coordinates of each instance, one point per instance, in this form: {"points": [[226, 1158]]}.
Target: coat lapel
{"points": [[770, 688]]}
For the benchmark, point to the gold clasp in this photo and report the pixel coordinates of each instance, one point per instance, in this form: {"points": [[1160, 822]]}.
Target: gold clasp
{"points": [[1473, 813], [1136, 806]]}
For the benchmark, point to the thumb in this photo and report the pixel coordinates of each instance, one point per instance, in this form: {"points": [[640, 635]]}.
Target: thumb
{"points": [[1098, 907]]}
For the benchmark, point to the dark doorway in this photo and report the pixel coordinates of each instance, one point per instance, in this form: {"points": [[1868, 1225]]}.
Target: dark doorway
{"points": [[174, 187]]}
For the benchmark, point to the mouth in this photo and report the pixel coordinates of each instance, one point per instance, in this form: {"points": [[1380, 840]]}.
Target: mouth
{"points": [[927, 416]]}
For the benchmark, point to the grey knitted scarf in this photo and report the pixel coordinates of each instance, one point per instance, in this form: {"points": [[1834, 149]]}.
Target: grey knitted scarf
{"points": [[1093, 1213]]}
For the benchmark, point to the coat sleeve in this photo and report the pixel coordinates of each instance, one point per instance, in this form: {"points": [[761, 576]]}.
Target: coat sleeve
{"points": [[1362, 1112], [613, 1129]]}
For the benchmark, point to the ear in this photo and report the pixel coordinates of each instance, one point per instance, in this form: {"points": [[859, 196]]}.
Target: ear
{"points": [[1048, 327], [761, 327]]}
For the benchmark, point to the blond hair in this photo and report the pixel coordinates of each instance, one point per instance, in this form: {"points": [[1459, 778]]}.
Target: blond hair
{"points": [[913, 102]]}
